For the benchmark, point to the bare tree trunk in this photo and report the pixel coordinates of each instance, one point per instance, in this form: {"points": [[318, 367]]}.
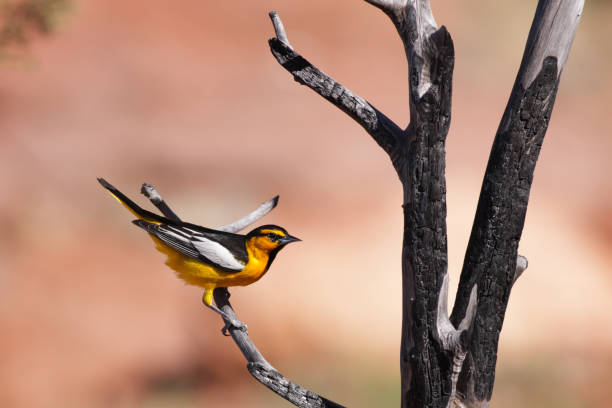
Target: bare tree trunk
{"points": [[446, 361]]}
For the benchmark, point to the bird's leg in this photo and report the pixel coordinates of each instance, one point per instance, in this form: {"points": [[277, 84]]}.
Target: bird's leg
{"points": [[230, 321]]}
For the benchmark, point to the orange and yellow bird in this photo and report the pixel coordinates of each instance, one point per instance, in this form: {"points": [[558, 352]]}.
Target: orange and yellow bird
{"points": [[206, 257]]}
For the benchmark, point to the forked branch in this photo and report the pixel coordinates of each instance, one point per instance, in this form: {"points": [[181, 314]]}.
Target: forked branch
{"points": [[418, 155], [257, 365], [386, 133], [491, 265]]}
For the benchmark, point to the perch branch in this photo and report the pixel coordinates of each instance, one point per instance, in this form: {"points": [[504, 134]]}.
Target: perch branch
{"points": [[257, 365], [263, 371], [382, 129]]}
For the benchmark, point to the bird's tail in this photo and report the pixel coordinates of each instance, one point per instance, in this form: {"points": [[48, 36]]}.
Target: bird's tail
{"points": [[139, 212]]}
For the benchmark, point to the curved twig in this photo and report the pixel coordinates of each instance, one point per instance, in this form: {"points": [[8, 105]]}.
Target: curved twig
{"points": [[257, 365], [249, 219], [382, 129]]}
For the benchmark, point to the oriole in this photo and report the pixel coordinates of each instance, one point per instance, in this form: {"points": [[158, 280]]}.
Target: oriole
{"points": [[206, 257]]}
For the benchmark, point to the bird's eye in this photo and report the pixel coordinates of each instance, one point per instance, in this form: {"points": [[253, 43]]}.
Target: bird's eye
{"points": [[272, 236]]}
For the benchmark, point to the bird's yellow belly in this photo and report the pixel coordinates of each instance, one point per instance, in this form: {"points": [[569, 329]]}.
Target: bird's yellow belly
{"points": [[206, 276]]}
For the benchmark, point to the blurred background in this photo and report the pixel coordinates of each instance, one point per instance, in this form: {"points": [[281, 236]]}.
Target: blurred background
{"points": [[186, 96]]}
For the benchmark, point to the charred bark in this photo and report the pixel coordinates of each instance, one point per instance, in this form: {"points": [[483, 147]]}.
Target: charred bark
{"points": [[446, 361]]}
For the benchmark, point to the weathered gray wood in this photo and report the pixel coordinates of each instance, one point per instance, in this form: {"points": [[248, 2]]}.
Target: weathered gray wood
{"points": [[263, 371], [455, 340], [426, 366], [251, 218], [257, 365], [382, 129], [552, 33], [451, 361], [149, 191], [292, 392]]}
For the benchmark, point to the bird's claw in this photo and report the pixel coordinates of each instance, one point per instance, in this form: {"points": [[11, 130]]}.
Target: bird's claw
{"points": [[236, 324]]}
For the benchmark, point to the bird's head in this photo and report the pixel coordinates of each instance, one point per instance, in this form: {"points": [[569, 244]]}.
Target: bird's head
{"points": [[270, 238]]}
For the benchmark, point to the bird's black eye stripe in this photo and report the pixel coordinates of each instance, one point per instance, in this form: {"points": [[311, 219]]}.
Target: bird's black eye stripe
{"points": [[273, 237]]}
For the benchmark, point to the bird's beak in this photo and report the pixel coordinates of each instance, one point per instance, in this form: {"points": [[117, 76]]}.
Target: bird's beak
{"points": [[287, 239]]}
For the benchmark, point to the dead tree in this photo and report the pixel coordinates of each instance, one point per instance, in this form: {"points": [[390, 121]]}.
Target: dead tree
{"points": [[444, 361]]}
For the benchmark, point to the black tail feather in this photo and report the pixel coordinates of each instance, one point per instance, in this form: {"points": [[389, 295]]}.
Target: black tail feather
{"points": [[140, 212]]}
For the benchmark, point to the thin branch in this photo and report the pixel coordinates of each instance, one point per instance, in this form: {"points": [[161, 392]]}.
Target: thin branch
{"points": [[382, 129], [249, 219], [149, 191], [388, 5], [263, 371], [393, 8], [257, 365], [279, 28], [416, 25]]}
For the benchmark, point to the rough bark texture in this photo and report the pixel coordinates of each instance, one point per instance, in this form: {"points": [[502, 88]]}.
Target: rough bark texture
{"points": [[263, 371], [425, 367], [445, 362], [381, 128], [499, 221], [440, 355], [257, 365], [491, 256], [292, 392]]}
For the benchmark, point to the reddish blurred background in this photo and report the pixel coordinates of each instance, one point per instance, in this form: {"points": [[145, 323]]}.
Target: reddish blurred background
{"points": [[185, 95]]}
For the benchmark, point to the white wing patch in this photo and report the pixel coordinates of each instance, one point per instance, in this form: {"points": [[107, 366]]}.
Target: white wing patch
{"points": [[217, 253]]}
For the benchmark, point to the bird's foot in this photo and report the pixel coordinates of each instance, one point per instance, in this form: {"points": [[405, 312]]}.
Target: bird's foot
{"points": [[234, 323]]}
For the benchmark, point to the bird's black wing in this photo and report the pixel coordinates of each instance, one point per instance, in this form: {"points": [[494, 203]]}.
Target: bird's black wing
{"points": [[222, 250]]}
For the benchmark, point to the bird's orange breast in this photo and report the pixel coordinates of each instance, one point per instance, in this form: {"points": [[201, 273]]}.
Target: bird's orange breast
{"points": [[198, 273]]}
